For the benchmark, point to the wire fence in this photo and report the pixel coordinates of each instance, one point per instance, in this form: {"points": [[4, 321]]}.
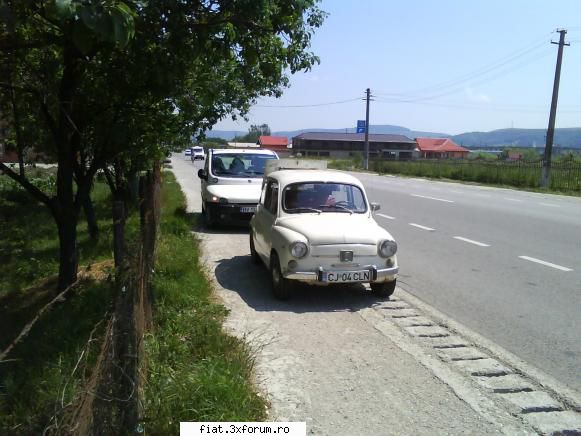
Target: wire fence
{"points": [[565, 176]]}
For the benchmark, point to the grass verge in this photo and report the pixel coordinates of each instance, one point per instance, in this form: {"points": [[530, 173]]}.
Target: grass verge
{"points": [[196, 372]]}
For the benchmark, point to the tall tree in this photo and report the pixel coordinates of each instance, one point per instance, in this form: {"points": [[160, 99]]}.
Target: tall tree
{"points": [[109, 82]]}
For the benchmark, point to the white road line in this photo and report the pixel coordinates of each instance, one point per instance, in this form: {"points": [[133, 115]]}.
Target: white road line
{"points": [[385, 216], [457, 192], [471, 241], [512, 199], [549, 205], [432, 198], [542, 262], [429, 229]]}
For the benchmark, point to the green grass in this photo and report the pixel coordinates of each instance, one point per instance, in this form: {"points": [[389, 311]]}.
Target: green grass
{"points": [[29, 247], [196, 372], [38, 380], [565, 177]]}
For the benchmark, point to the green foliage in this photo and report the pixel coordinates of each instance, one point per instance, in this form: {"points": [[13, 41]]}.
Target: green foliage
{"points": [[111, 83], [254, 133], [196, 371], [564, 177]]}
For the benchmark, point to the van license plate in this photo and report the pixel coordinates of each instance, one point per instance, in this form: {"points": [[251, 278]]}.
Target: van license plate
{"points": [[347, 276], [247, 209]]}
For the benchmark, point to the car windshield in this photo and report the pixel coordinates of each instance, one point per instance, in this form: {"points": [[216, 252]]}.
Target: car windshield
{"points": [[323, 197], [240, 164]]}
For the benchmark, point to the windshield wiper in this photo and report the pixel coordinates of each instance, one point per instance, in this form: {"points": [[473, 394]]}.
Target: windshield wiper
{"points": [[343, 208], [304, 209]]}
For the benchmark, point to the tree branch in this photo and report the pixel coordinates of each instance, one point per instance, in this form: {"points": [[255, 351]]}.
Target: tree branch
{"points": [[23, 181]]}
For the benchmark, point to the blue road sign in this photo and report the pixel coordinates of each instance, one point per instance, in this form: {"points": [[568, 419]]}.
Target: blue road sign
{"points": [[360, 126]]}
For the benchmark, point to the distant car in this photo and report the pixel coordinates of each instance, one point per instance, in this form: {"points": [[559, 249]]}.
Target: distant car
{"points": [[316, 226], [188, 152], [230, 184], [197, 153]]}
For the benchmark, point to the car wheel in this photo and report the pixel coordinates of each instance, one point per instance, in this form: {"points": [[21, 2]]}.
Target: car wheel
{"points": [[280, 285], [209, 216], [253, 254], [383, 290]]}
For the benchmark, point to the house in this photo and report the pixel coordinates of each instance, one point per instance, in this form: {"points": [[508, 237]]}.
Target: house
{"points": [[278, 144], [441, 148], [345, 145]]}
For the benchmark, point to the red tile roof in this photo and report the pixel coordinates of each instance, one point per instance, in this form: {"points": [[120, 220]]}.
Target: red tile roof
{"points": [[280, 141], [439, 144]]}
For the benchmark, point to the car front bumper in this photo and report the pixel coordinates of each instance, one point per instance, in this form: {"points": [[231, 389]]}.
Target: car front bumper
{"points": [[231, 213], [377, 275]]}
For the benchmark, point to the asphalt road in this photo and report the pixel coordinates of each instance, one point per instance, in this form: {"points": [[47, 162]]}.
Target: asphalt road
{"points": [[505, 263]]}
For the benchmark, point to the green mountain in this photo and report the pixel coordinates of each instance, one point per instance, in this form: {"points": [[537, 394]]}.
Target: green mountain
{"points": [[566, 138]]}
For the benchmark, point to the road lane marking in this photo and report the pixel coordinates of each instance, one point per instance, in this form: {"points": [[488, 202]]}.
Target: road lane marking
{"points": [[471, 241], [542, 262], [432, 198], [549, 204], [385, 216], [512, 199], [457, 192], [419, 226]]}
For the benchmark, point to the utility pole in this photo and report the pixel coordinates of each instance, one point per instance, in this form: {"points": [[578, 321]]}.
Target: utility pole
{"points": [[366, 161], [546, 176]]}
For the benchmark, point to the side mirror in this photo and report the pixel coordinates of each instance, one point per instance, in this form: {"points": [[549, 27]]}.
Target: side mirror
{"points": [[375, 207], [202, 174]]}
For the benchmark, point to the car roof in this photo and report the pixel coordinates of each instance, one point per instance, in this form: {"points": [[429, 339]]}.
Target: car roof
{"points": [[243, 151], [286, 177]]}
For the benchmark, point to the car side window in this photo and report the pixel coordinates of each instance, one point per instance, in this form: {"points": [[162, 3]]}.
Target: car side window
{"points": [[271, 197]]}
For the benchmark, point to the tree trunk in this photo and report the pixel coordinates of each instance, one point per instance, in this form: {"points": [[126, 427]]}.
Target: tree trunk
{"points": [[69, 253], [90, 217]]}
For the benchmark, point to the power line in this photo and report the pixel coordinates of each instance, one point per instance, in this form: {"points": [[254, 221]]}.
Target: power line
{"points": [[461, 85], [479, 72], [495, 107], [310, 105]]}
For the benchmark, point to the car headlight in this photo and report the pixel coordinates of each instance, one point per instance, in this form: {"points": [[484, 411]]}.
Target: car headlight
{"points": [[387, 248], [299, 249]]}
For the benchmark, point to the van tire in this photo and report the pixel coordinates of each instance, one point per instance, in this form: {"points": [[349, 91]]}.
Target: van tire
{"points": [[209, 216]]}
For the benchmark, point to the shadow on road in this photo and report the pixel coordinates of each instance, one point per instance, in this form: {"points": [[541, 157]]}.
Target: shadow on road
{"points": [[252, 283]]}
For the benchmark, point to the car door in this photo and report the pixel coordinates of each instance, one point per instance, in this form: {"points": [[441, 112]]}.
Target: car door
{"points": [[204, 183], [265, 217]]}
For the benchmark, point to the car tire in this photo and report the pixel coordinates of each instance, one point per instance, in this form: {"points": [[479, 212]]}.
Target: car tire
{"points": [[384, 289], [280, 285], [253, 254]]}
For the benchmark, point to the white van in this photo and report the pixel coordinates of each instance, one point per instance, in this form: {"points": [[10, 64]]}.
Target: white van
{"points": [[231, 183], [198, 153]]}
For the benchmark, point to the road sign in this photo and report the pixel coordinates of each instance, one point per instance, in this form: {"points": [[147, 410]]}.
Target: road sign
{"points": [[360, 126]]}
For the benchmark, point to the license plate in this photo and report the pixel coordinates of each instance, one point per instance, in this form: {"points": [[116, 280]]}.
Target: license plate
{"points": [[247, 209], [347, 276]]}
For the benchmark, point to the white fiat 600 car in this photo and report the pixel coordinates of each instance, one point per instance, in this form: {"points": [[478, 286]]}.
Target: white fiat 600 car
{"points": [[316, 226]]}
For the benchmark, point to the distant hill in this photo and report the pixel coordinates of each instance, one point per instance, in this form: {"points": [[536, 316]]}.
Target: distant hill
{"points": [[569, 138], [394, 130], [566, 138]]}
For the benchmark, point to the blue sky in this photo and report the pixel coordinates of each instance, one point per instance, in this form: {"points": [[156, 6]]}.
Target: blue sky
{"points": [[446, 66]]}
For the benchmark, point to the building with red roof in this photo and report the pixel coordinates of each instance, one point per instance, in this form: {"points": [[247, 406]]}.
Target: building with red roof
{"points": [[441, 148], [278, 144]]}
